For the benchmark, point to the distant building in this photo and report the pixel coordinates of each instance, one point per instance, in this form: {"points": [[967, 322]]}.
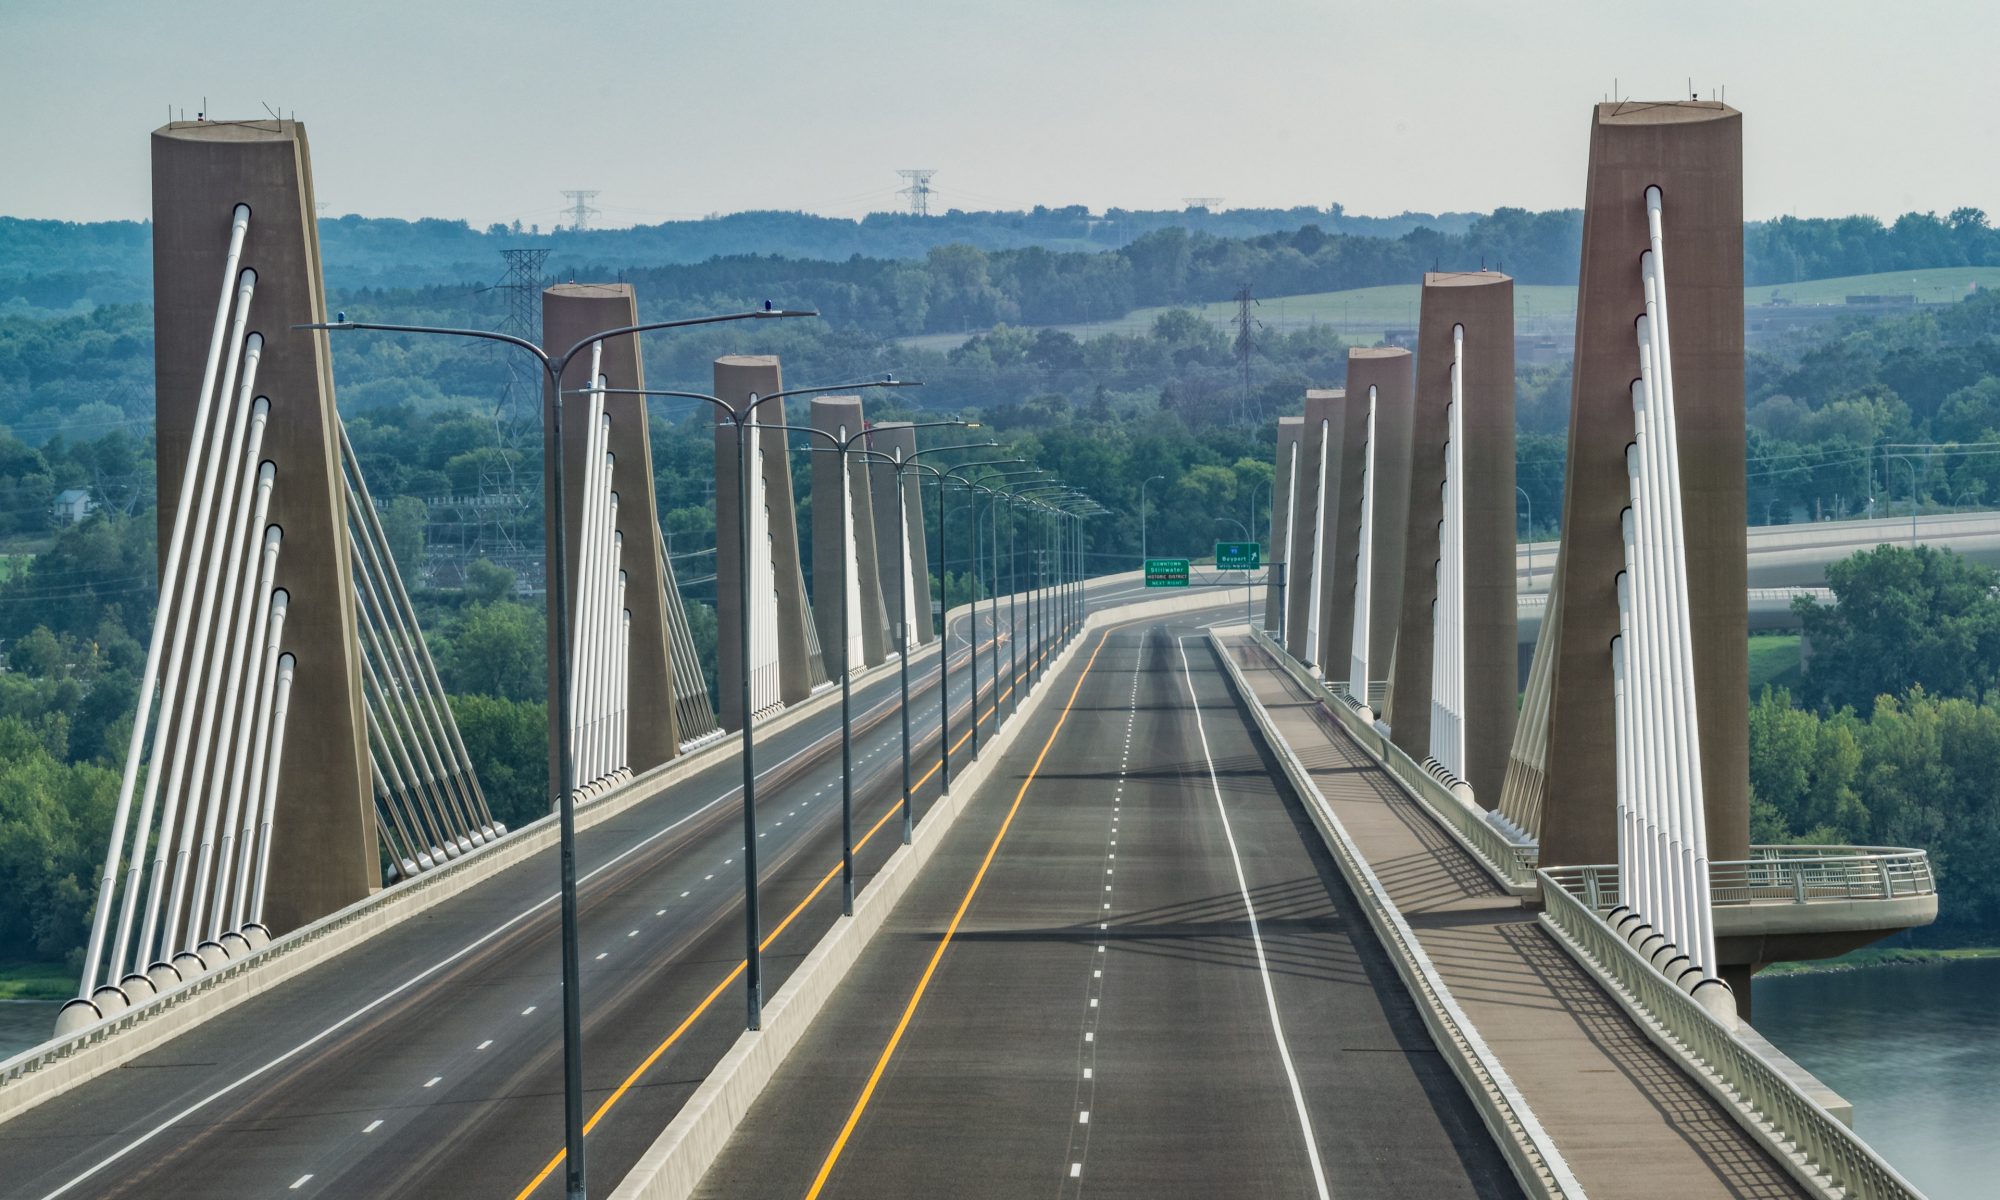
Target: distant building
{"points": [[73, 505]]}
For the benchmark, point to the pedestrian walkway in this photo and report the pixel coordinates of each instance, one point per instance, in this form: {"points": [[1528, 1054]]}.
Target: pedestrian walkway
{"points": [[1628, 1120]]}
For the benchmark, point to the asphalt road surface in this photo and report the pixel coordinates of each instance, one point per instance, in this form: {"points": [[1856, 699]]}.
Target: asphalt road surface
{"points": [[1130, 970], [429, 1061]]}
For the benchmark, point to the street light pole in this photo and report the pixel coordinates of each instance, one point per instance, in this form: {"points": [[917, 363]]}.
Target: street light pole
{"points": [[1025, 491], [553, 366], [993, 490], [944, 594], [904, 466], [844, 446], [745, 423]]}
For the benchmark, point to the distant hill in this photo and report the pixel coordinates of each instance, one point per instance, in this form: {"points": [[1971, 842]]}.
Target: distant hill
{"points": [[1367, 313], [57, 266]]}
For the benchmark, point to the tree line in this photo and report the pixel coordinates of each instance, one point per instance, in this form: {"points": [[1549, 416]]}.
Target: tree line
{"points": [[1894, 736]]}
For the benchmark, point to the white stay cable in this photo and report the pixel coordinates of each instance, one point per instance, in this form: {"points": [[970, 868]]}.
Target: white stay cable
{"points": [[200, 595], [1703, 945], [253, 674], [420, 787], [183, 603], [1357, 679], [280, 705], [406, 621], [211, 762], [239, 899], [579, 619], [1318, 550], [169, 585], [409, 691]]}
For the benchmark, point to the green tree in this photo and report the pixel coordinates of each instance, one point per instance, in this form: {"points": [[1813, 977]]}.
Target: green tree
{"points": [[403, 521], [508, 742], [1902, 618], [488, 582], [497, 649], [55, 818]]}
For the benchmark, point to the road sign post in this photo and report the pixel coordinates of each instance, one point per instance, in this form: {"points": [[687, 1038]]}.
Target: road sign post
{"points": [[1166, 572], [1240, 556]]}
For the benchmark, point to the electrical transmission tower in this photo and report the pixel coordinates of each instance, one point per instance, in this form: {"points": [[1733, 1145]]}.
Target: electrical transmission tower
{"points": [[520, 291], [919, 190], [487, 523], [579, 209], [1245, 345]]}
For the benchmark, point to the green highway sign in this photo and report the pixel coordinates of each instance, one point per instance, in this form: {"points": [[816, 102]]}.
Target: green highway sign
{"points": [[1238, 556], [1166, 572]]}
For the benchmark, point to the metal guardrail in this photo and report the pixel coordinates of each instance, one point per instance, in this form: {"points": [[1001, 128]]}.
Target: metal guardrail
{"points": [[1807, 1139], [1822, 594], [1782, 875], [1511, 861], [279, 959], [362, 918], [1533, 1156]]}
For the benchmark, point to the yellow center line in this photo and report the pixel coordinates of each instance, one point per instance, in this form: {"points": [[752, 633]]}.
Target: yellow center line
{"points": [[742, 965], [944, 943]]}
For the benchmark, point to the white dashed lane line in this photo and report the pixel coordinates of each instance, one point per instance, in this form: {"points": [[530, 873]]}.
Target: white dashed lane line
{"points": [[299, 1183], [372, 1126]]}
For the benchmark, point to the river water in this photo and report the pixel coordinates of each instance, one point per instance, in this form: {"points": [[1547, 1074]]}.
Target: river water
{"points": [[1916, 1049], [25, 1023]]}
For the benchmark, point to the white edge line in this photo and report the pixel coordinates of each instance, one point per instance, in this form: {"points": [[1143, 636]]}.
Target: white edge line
{"points": [[402, 987], [1531, 1126], [378, 1001], [1256, 937]]}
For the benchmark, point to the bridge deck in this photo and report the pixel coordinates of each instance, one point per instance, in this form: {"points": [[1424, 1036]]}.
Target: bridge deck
{"points": [[1628, 1120], [428, 1062], [1102, 1024]]}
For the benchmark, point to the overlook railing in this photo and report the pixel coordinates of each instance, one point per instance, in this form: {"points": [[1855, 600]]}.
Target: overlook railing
{"points": [[1807, 1139], [1781, 875]]}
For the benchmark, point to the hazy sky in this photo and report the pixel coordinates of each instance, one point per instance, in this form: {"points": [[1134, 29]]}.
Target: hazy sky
{"points": [[676, 109]]}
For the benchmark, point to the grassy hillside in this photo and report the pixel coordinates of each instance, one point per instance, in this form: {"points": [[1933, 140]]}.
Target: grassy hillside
{"points": [[1942, 285], [1364, 313], [1774, 662]]}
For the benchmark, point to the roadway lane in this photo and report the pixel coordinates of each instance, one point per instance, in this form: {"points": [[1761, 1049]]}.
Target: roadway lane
{"points": [[1132, 969], [429, 1062]]}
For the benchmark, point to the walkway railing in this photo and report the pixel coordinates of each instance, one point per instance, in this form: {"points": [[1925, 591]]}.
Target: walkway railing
{"points": [[1511, 861], [1808, 1140], [1781, 875]]}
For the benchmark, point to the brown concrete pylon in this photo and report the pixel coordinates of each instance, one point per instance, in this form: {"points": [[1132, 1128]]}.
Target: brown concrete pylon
{"points": [[571, 312], [786, 663], [1563, 765], [324, 850], [1284, 499], [840, 417], [1316, 484], [897, 438], [1387, 369], [1482, 304]]}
